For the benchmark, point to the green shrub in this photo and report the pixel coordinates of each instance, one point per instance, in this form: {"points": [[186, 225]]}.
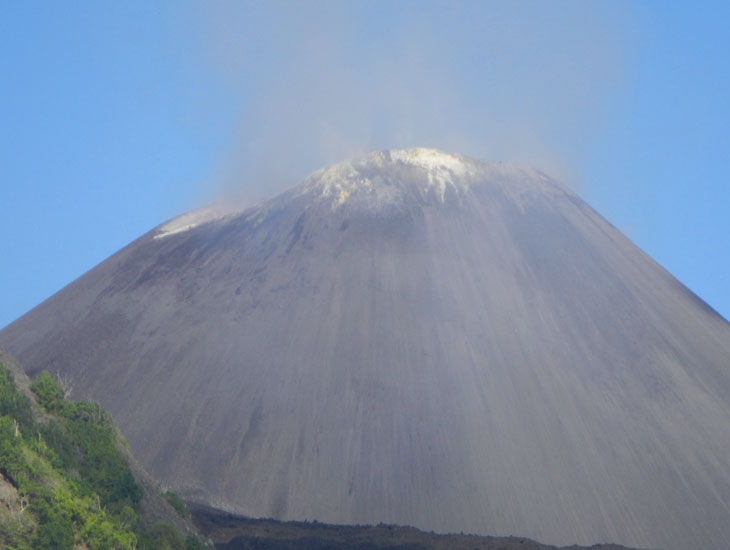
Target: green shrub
{"points": [[162, 536], [193, 543], [50, 392], [87, 411], [55, 530], [16, 532], [75, 483], [14, 403], [90, 450], [176, 502], [12, 461], [103, 533]]}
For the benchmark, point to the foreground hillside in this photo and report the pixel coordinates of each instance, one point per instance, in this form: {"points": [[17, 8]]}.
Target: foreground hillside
{"points": [[65, 481]]}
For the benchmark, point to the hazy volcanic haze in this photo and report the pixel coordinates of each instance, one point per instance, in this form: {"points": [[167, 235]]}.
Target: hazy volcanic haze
{"points": [[118, 117], [489, 79], [410, 337]]}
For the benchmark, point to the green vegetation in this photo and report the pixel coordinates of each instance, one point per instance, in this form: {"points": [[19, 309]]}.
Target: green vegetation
{"points": [[49, 392], [176, 502], [163, 536], [65, 482]]}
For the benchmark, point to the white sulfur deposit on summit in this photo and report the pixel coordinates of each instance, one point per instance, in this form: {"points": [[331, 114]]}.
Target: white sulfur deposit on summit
{"points": [[383, 175], [386, 178], [383, 178]]}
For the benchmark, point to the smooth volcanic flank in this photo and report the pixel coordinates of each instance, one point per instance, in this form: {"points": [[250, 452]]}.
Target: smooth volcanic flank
{"points": [[410, 337]]}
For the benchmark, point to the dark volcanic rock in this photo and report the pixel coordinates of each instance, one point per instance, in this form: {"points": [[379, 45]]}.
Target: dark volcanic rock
{"points": [[412, 338], [231, 532]]}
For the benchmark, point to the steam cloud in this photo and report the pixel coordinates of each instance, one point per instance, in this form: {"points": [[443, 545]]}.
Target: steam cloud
{"points": [[315, 83]]}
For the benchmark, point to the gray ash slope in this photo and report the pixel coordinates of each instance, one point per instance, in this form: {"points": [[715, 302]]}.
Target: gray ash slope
{"points": [[414, 338]]}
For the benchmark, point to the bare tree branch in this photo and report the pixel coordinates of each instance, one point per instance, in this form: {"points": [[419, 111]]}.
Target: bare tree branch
{"points": [[66, 381]]}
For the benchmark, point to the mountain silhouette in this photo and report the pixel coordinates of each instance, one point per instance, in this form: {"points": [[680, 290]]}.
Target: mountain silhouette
{"points": [[409, 337]]}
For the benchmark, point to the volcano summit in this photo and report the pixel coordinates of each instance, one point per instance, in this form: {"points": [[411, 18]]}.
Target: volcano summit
{"points": [[410, 337]]}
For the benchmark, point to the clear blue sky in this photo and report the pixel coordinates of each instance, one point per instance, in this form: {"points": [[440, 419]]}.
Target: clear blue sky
{"points": [[117, 116]]}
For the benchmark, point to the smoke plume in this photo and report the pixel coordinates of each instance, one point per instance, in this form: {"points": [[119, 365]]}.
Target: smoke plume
{"points": [[314, 83]]}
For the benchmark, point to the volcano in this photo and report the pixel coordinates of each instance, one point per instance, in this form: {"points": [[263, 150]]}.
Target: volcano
{"points": [[409, 337]]}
